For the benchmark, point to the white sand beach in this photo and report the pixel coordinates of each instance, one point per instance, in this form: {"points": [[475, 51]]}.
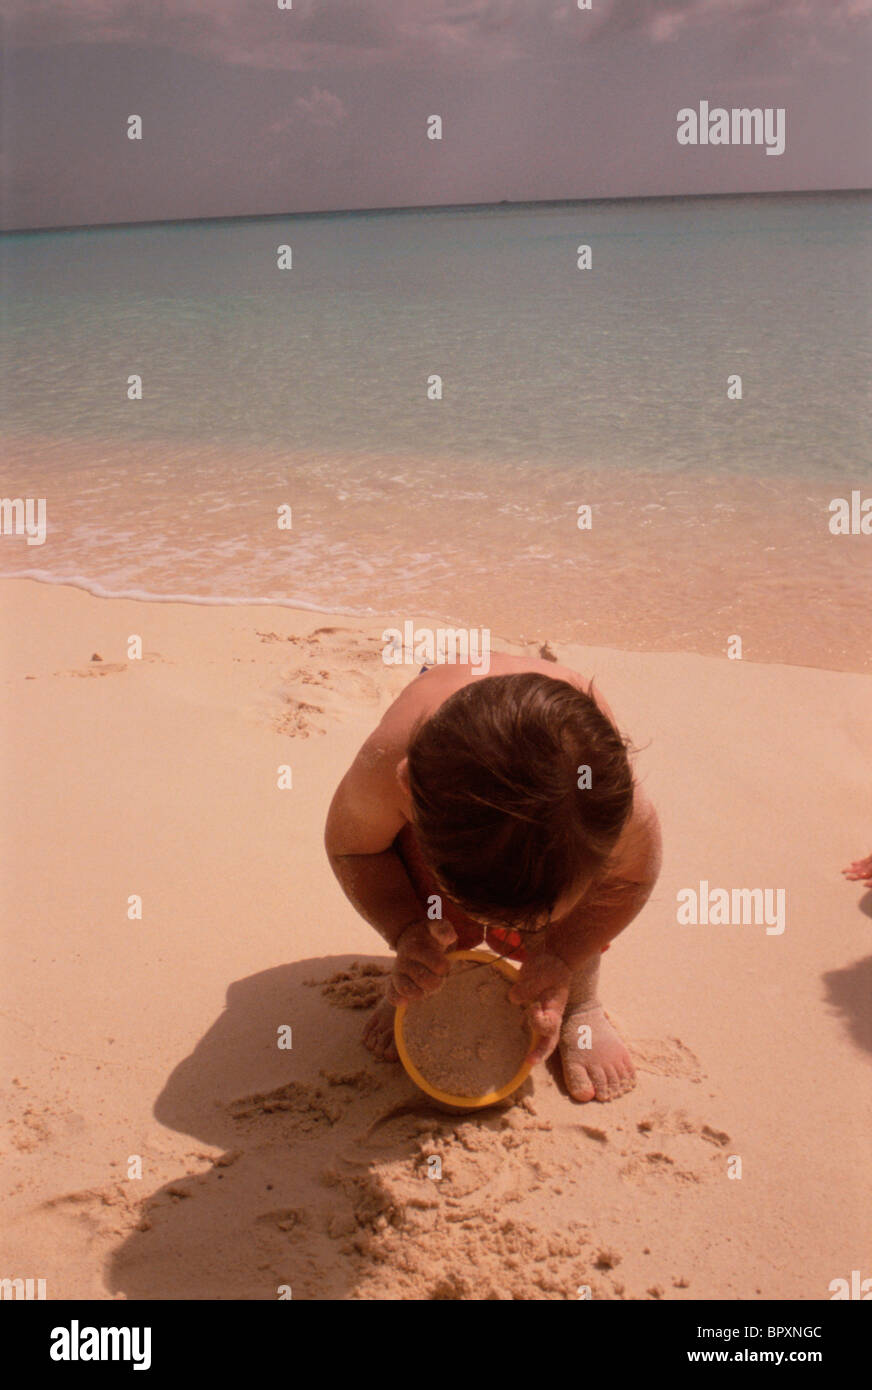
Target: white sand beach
{"points": [[156, 1038]]}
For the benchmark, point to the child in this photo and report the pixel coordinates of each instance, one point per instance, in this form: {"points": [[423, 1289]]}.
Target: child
{"points": [[508, 802]]}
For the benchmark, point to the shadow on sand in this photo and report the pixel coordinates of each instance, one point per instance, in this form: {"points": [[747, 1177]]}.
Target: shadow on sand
{"points": [[849, 990], [294, 1197]]}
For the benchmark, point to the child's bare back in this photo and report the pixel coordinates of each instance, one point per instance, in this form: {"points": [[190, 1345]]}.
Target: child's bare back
{"points": [[513, 814]]}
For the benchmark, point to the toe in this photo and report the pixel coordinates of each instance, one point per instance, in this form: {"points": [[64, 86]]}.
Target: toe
{"points": [[600, 1081], [626, 1075], [578, 1082], [613, 1078]]}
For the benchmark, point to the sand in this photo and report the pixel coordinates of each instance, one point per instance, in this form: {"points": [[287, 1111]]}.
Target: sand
{"points": [[468, 1039], [158, 1143]]}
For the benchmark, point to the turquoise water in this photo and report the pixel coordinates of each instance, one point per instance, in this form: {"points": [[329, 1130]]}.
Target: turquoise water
{"points": [[605, 386]]}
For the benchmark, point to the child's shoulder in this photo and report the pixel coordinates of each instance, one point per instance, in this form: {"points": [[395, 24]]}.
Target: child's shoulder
{"points": [[430, 689]]}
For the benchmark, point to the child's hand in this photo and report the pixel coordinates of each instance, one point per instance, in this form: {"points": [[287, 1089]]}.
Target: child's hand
{"points": [[861, 869], [420, 966], [543, 984]]}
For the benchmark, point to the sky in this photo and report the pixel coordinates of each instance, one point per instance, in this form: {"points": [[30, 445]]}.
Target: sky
{"points": [[249, 109]]}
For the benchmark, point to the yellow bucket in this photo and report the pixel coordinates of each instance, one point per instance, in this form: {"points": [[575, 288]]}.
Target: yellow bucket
{"points": [[463, 1102]]}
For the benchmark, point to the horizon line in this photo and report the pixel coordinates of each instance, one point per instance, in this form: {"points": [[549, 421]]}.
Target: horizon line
{"points": [[428, 207]]}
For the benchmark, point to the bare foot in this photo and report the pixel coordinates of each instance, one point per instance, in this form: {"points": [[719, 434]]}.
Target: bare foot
{"points": [[378, 1035], [604, 1070]]}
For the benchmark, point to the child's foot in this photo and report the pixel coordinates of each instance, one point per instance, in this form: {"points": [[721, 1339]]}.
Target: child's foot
{"points": [[378, 1035], [604, 1070]]}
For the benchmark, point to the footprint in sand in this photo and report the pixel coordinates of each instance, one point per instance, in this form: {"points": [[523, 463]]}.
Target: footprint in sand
{"points": [[354, 645], [303, 1108], [670, 1149], [361, 986], [109, 1210], [312, 697], [666, 1057], [298, 718]]}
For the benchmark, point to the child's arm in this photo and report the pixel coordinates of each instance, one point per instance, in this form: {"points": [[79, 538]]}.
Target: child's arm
{"points": [[618, 895], [570, 945], [363, 821], [362, 825]]}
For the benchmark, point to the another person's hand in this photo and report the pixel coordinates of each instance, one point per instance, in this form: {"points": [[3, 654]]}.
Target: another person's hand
{"points": [[543, 984], [860, 869], [420, 966]]}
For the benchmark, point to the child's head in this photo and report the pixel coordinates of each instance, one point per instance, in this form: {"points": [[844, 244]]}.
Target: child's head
{"points": [[498, 810]]}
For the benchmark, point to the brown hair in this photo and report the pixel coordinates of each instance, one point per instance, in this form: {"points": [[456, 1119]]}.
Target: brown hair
{"points": [[497, 808]]}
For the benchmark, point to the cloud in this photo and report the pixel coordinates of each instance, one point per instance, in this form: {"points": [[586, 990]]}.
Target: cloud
{"points": [[764, 37], [665, 20], [441, 35], [320, 108], [312, 35]]}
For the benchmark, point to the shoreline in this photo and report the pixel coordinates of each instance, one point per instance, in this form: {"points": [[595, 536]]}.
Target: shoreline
{"points": [[296, 606], [664, 564]]}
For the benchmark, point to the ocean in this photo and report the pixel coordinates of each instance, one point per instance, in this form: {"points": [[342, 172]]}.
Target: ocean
{"points": [[605, 388]]}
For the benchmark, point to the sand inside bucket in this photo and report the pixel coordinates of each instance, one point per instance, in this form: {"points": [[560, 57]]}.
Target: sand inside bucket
{"points": [[468, 1038]]}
